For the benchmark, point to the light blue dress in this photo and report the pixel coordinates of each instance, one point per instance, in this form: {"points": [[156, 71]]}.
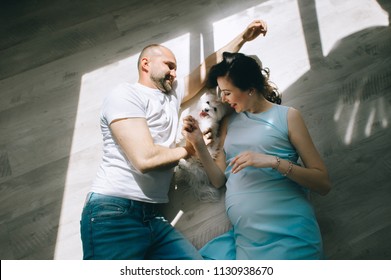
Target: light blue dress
{"points": [[271, 215]]}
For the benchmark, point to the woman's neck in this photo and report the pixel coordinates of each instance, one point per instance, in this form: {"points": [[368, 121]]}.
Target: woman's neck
{"points": [[260, 104]]}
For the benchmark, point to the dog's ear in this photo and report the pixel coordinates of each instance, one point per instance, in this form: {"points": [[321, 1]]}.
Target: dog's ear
{"points": [[205, 96], [211, 94]]}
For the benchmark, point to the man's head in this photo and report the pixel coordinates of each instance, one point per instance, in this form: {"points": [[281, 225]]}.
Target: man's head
{"points": [[157, 67]]}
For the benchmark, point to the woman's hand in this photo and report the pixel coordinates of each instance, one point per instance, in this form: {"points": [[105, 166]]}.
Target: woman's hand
{"points": [[195, 138], [254, 29], [208, 136], [249, 158]]}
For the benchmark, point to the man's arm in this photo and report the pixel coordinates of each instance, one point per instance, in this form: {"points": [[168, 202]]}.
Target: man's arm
{"points": [[134, 138], [196, 80]]}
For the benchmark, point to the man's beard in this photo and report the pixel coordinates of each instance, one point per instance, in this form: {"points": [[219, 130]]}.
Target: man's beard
{"points": [[164, 83]]}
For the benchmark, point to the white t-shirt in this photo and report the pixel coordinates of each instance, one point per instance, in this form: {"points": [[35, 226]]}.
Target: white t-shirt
{"points": [[116, 175]]}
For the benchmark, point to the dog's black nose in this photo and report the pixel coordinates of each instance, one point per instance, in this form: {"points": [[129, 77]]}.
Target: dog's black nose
{"points": [[206, 110]]}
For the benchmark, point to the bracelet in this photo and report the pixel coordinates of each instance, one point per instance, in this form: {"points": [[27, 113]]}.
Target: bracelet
{"points": [[278, 163], [289, 169]]}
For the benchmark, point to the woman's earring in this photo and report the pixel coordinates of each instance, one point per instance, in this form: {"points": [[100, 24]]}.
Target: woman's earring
{"points": [[251, 93]]}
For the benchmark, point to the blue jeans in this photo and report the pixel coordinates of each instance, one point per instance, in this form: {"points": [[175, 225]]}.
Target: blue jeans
{"points": [[123, 229]]}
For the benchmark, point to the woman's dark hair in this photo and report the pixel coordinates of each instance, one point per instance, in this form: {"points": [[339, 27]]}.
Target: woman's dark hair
{"points": [[245, 73]]}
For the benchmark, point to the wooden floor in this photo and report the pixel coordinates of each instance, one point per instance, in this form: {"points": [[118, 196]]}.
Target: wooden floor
{"points": [[58, 58]]}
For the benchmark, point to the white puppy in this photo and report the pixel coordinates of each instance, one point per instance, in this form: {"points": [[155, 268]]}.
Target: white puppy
{"points": [[190, 173]]}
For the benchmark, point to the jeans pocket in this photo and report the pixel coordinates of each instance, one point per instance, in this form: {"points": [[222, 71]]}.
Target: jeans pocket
{"points": [[107, 210]]}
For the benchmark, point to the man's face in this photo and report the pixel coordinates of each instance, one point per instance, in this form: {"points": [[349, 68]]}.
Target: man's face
{"points": [[163, 70]]}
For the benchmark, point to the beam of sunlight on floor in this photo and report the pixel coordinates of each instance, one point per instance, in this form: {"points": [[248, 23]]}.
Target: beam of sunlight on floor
{"points": [[381, 104], [371, 119], [350, 128], [283, 49], [338, 110], [357, 96], [338, 19], [177, 217], [362, 110]]}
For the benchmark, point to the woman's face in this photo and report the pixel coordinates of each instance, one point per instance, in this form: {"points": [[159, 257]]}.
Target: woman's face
{"points": [[235, 97]]}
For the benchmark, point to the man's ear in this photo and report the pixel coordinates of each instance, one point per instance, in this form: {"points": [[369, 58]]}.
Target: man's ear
{"points": [[144, 64]]}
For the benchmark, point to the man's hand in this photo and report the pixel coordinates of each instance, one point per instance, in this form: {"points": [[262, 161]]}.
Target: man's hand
{"points": [[191, 131], [255, 28]]}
